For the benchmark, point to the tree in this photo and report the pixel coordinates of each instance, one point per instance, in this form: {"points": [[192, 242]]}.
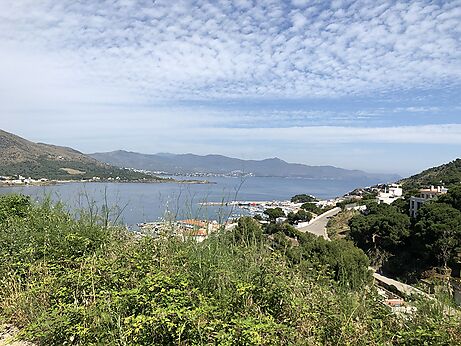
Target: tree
{"points": [[438, 229], [402, 205], [346, 202], [312, 207], [383, 231], [274, 213], [453, 197], [248, 231], [300, 216], [349, 264], [303, 198]]}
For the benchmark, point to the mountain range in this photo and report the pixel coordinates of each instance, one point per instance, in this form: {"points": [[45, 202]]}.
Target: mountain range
{"points": [[218, 164], [39, 160], [19, 156]]}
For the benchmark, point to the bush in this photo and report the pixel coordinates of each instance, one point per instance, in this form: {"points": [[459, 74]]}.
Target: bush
{"points": [[77, 282]]}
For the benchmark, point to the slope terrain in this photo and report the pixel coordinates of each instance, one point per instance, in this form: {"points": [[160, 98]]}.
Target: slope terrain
{"points": [[19, 156], [446, 174]]}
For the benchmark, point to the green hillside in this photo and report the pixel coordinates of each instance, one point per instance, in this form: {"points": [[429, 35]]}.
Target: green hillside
{"points": [[19, 156], [447, 174], [59, 170]]}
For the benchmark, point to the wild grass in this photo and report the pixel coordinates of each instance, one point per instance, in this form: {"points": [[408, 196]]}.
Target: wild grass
{"points": [[84, 281]]}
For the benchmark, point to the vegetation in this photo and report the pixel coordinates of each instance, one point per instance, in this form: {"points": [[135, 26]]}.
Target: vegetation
{"points": [[274, 213], [52, 169], [300, 216], [438, 229], [453, 198], [404, 247], [312, 207], [303, 198], [448, 174], [37, 160], [338, 225], [382, 231], [80, 281], [345, 203]]}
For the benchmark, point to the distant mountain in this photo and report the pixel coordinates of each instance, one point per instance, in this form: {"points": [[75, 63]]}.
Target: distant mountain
{"points": [[218, 164], [446, 174], [38, 160]]}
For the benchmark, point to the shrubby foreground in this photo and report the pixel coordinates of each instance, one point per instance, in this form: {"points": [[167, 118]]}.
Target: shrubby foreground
{"points": [[74, 281]]}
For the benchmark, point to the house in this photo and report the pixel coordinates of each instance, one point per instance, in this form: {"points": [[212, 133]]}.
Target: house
{"points": [[197, 229], [390, 194], [199, 235], [425, 195]]}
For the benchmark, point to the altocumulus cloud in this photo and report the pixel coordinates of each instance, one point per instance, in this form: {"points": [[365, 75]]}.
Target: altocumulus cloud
{"points": [[308, 80], [166, 49]]}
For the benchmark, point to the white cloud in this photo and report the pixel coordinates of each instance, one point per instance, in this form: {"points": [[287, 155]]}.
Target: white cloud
{"points": [[109, 74], [424, 134], [208, 49]]}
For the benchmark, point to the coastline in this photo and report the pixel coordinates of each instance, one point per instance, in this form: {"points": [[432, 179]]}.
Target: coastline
{"points": [[61, 182]]}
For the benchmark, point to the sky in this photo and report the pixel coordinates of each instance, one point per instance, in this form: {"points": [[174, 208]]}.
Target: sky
{"points": [[372, 85]]}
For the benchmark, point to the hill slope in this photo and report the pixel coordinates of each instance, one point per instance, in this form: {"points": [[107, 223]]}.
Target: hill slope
{"points": [[218, 164], [447, 174], [38, 160]]}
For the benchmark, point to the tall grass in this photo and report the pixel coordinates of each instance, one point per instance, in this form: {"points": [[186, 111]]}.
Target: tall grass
{"points": [[67, 281]]}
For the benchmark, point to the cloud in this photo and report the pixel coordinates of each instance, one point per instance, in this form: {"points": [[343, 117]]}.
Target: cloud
{"points": [[425, 134], [220, 49], [308, 80]]}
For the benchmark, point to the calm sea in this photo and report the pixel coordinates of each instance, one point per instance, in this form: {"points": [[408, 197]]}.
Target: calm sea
{"points": [[148, 202]]}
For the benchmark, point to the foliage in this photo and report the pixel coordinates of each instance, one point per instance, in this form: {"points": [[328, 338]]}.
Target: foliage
{"points": [[402, 205], [300, 216], [13, 206], [348, 264], [303, 198], [384, 228], [345, 203], [312, 207], [274, 213], [339, 224], [438, 228], [453, 197], [72, 281], [52, 169], [369, 196], [448, 174], [248, 231]]}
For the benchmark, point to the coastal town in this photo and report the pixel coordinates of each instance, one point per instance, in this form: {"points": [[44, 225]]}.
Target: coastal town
{"points": [[232, 173], [395, 294], [20, 180]]}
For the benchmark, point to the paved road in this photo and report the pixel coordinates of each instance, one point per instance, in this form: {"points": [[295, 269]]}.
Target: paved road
{"points": [[400, 286], [319, 225]]}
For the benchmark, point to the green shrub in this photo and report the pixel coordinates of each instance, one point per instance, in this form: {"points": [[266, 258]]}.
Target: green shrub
{"points": [[76, 282]]}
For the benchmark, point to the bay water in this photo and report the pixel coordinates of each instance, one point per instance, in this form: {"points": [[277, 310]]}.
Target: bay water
{"points": [[134, 203]]}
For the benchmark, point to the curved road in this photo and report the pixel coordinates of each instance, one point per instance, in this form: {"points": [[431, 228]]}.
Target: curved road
{"points": [[318, 226]]}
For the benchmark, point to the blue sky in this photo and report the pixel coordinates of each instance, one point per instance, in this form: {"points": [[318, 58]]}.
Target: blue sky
{"points": [[373, 85]]}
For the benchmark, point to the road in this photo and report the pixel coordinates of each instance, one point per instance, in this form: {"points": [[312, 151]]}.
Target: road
{"points": [[319, 225], [400, 286]]}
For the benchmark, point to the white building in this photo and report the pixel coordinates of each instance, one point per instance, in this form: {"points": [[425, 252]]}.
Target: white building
{"points": [[390, 194], [424, 195]]}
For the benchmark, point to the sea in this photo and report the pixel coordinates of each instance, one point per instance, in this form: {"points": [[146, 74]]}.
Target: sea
{"points": [[134, 203]]}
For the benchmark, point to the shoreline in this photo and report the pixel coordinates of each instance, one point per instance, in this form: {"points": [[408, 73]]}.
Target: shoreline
{"points": [[61, 182]]}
